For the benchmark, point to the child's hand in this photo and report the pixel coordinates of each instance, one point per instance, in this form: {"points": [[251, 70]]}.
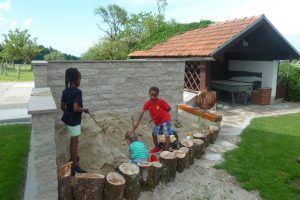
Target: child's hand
{"points": [[86, 110]]}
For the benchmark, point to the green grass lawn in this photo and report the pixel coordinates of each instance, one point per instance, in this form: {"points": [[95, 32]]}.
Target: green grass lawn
{"points": [[14, 147], [266, 158], [25, 75]]}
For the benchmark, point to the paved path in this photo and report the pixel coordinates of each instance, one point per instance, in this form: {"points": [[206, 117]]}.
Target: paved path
{"points": [[14, 98]]}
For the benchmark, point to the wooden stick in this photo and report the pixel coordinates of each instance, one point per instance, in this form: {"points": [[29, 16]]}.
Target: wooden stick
{"points": [[102, 127], [132, 120]]}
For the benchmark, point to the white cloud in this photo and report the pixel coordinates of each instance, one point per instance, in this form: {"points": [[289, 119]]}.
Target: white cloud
{"points": [[5, 5], [27, 22]]}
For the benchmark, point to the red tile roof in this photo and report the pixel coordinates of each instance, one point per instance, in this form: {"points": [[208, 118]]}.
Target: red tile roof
{"points": [[200, 42]]}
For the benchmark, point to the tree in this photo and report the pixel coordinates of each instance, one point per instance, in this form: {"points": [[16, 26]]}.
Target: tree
{"points": [[54, 55], [161, 7], [19, 46], [115, 18], [101, 51]]}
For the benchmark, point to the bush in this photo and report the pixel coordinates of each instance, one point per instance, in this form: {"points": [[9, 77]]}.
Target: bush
{"points": [[290, 75]]}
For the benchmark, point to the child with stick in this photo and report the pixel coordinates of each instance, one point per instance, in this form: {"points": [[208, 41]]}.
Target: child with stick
{"points": [[71, 105]]}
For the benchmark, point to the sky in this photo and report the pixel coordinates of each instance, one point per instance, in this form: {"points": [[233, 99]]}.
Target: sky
{"points": [[71, 25]]}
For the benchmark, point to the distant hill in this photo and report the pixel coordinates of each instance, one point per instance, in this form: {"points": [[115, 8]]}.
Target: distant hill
{"points": [[46, 51]]}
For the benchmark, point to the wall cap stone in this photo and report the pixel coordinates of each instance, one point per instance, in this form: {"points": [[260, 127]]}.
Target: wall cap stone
{"points": [[41, 101], [39, 62]]}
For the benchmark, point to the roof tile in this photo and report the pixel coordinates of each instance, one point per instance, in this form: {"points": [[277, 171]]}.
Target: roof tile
{"points": [[198, 42]]}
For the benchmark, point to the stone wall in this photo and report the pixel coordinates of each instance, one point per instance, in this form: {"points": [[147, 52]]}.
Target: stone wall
{"points": [[41, 180], [107, 86], [120, 86]]}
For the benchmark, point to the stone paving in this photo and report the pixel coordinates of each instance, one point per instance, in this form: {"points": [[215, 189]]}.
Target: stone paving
{"points": [[14, 98]]}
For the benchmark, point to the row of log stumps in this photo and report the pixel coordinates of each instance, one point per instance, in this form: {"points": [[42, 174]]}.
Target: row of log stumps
{"points": [[131, 179]]}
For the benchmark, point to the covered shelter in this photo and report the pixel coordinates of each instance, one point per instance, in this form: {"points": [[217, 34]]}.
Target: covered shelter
{"points": [[237, 56]]}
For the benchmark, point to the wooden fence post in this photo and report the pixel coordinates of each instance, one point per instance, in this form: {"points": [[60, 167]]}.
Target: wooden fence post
{"points": [[5, 68], [1, 65], [18, 71]]}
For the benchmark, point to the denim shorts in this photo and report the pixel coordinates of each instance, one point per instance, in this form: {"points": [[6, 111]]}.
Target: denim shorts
{"points": [[164, 128]]}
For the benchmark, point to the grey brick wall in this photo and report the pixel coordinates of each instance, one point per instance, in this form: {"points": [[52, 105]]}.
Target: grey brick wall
{"points": [[45, 155], [120, 86]]}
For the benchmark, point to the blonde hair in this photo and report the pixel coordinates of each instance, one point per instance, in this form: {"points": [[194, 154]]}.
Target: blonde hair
{"points": [[131, 136]]}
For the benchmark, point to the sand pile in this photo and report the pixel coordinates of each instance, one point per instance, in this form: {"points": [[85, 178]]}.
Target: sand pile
{"points": [[102, 151]]}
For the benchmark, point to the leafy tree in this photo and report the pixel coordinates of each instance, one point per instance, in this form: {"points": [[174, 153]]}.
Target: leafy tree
{"points": [[54, 55], [43, 51], [138, 27], [128, 32], [19, 46], [114, 18], [1, 49], [161, 7], [101, 51]]}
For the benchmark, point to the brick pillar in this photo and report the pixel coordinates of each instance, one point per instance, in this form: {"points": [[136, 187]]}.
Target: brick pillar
{"points": [[41, 180], [40, 73]]}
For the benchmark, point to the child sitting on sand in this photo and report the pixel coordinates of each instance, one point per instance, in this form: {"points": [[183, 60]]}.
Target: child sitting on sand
{"points": [[137, 149]]}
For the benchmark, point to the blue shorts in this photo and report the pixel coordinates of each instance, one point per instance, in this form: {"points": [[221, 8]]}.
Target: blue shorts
{"points": [[164, 128]]}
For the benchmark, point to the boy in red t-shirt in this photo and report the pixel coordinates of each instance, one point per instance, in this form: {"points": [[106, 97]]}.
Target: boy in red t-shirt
{"points": [[159, 112]]}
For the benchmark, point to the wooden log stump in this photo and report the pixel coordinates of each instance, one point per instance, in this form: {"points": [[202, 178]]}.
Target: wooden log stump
{"points": [[89, 186], [208, 135], [187, 157], [215, 130], [65, 190], [202, 137], [157, 171], [131, 173], [147, 175], [199, 136], [114, 186], [181, 159], [199, 147], [189, 144], [169, 164]]}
